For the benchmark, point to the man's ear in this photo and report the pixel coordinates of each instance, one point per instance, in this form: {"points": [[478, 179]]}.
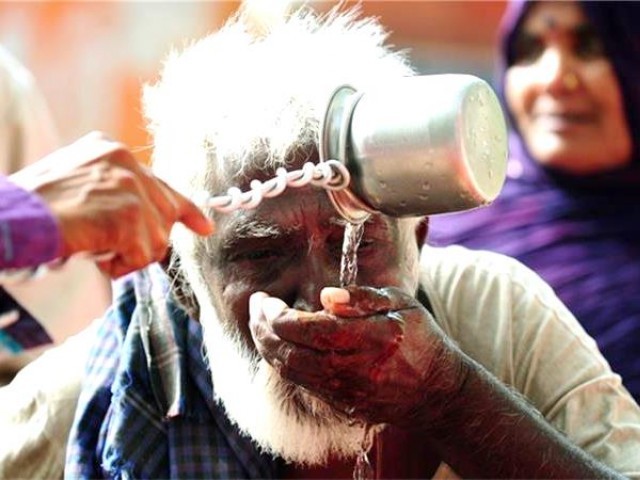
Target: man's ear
{"points": [[421, 231]]}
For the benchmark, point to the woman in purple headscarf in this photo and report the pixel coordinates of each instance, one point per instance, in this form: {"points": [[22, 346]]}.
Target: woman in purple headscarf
{"points": [[570, 209]]}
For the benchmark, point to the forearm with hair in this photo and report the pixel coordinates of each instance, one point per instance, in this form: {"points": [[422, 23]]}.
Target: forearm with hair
{"points": [[490, 431]]}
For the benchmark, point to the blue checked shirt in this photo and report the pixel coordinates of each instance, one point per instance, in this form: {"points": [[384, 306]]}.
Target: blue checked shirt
{"points": [[147, 409]]}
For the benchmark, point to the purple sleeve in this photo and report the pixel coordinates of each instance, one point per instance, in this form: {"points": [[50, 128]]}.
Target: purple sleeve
{"points": [[29, 234]]}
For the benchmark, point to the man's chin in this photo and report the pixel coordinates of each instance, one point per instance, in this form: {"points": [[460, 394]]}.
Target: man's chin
{"points": [[283, 419], [295, 425]]}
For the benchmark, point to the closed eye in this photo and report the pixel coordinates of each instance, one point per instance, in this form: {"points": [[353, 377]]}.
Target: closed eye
{"points": [[367, 247], [256, 255], [526, 49], [588, 45]]}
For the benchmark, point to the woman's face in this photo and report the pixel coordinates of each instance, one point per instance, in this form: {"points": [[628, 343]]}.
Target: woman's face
{"points": [[563, 93]]}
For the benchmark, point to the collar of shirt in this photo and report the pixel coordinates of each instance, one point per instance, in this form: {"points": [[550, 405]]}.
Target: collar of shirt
{"points": [[147, 407]]}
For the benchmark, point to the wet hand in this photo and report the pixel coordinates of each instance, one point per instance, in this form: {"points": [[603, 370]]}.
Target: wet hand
{"points": [[375, 354]]}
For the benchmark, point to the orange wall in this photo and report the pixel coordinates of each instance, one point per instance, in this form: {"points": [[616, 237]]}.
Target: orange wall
{"points": [[90, 58]]}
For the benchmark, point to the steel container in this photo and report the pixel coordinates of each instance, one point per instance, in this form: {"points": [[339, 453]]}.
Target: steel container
{"points": [[416, 146]]}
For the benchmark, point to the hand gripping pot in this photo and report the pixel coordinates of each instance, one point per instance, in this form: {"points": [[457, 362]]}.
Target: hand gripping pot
{"points": [[416, 146]]}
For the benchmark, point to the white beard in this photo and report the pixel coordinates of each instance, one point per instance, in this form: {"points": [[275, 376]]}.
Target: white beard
{"points": [[281, 418]]}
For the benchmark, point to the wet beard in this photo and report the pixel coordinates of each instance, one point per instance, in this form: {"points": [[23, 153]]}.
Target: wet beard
{"points": [[279, 416]]}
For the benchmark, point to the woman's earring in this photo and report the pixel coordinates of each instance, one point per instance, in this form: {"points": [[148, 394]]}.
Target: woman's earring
{"points": [[570, 81]]}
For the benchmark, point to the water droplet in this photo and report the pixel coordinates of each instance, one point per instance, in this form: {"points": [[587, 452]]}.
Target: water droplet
{"points": [[363, 469], [349, 261]]}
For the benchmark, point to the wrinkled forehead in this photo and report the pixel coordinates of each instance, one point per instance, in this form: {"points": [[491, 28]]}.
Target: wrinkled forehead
{"points": [[259, 165]]}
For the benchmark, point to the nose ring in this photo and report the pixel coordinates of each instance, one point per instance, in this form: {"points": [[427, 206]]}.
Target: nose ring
{"points": [[570, 81]]}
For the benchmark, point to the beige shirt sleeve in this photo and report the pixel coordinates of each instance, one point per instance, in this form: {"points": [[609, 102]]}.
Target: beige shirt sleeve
{"points": [[507, 318], [37, 409]]}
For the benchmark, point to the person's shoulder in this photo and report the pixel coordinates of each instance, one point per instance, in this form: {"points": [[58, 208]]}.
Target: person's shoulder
{"points": [[460, 270], [12, 68], [15, 80], [463, 259]]}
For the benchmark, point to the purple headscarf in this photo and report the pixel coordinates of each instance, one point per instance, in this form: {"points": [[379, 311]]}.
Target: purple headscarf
{"points": [[581, 234]]}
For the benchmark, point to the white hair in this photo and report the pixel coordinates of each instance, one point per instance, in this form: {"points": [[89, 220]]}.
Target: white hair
{"points": [[266, 408], [237, 101], [236, 98]]}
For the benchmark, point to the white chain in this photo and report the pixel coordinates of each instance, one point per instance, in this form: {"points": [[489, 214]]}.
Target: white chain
{"points": [[330, 175]]}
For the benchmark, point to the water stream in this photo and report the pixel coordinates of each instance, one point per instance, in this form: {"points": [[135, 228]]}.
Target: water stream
{"points": [[348, 274]]}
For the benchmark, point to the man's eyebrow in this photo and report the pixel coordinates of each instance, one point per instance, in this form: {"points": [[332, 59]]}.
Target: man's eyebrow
{"points": [[248, 229]]}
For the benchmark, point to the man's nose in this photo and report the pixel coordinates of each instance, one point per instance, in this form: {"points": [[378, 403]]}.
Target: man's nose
{"points": [[319, 271], [555, 65]]}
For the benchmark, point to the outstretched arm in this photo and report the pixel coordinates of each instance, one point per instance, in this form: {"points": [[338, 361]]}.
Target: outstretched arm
{"points": [[104, 200], [378, 354]]}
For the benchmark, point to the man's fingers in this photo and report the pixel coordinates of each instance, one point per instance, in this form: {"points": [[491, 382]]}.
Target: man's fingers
{"points": [[187, 212], [133, 254], [255, 305], [355, 301], [322, 330], [93, 146], [333, 298], [192, 217]]}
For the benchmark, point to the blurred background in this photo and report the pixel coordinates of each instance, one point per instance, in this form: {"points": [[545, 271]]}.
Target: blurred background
{"points": [[91, 58]]}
